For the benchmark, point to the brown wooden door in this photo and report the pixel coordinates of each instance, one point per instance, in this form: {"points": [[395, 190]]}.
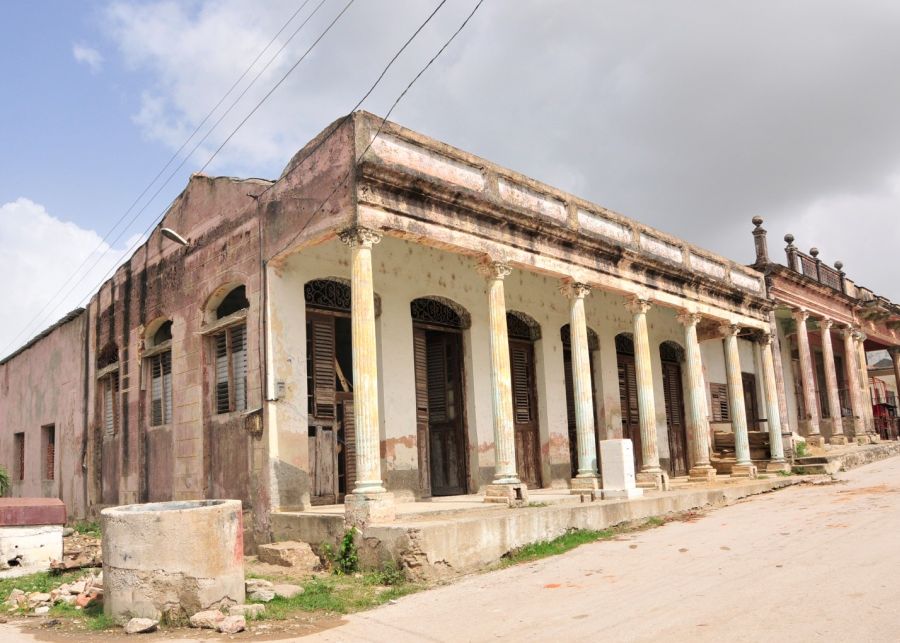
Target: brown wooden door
{"points": [[631, 428], [674, 397], [525, 418], [750, 406], [439, 377]]}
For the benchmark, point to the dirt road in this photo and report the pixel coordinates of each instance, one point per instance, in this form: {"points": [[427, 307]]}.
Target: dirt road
{"points": [[808, 563]]}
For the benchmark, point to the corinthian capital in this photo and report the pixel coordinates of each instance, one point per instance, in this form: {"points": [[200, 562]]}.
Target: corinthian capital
{"points": [[729, 329], [360, 237], [637, 305], [494, 269], [688, 318], [574, 289]]}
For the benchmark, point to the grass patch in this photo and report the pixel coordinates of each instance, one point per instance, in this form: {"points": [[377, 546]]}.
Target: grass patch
{"points": [[572, 539], [39, 582], [87, 527], [560, 545], [785, 474], [92, 616], [343, 594]]}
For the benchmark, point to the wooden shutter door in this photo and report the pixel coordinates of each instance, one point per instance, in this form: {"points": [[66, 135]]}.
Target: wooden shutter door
{"points": [[528, 457], [674, 402], [420, 360], [349, 429], [570, 410], [322, 346]]}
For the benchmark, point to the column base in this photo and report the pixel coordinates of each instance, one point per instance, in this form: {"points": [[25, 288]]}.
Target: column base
{"points": [[874, 438], [587, 486], [838, 439], [863, 440], [658, 480], [815, 440], [364, 509], [776, 466], [514, 494], [702, 474], [744, 471]]}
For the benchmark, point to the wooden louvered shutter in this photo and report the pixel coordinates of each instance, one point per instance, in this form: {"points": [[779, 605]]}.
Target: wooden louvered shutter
{"points": [[156, 391], [749, 382], [166, 360], [349, 427], [633, 409], [238, 341], [436, 361], [223, 400], [322, 347], [718, 394], [673, 394], [420, 361], [521, 386]]}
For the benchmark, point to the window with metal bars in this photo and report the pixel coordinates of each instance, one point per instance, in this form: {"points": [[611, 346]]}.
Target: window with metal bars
{"points": [[230, 355], [161, 388], [19, 446], [109, 388], [49, 443], [718, 394]]}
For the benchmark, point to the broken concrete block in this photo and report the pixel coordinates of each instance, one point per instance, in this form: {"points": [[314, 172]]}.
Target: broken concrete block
{"points": [[232, 625], [252, 584], [287, 591], [249, 611], [36, 598], [207, 619], [16, 598], [141, 625], [42, 610], [290, 553], [262, 594]]}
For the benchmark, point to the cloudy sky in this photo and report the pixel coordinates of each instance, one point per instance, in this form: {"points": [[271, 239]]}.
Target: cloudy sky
{"points": [[689, 116]]}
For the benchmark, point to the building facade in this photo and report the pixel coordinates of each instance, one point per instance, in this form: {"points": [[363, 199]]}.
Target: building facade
{"points": [[394, 318]]}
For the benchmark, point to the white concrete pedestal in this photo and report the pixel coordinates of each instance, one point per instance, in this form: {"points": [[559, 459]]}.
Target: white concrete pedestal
{"points": [[617, 467], [363, 509]]}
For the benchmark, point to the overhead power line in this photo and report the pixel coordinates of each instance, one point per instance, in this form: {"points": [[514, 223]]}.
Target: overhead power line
{"points": [[106, 238]]}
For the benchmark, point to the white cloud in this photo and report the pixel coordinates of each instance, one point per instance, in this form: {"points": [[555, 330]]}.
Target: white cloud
{"points": [[88, 55], [38, 254], [689, 116]]}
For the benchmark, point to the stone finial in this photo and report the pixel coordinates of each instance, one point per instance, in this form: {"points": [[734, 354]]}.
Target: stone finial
{"points": [[789, 239], [759, 240], [839, 265], [814, 252]]}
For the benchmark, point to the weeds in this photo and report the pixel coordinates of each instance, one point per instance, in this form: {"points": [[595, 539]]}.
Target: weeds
{"points": [[800, 450], [87, 528], [344, 560]]}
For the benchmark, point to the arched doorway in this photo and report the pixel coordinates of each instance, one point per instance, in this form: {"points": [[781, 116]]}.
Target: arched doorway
{"points": [[671, 356], [440, 410], [523, 332], [329, 380], [628, 396], [593, 345]]}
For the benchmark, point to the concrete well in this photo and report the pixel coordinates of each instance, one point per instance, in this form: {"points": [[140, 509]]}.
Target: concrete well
{"points": [[172, 559]]}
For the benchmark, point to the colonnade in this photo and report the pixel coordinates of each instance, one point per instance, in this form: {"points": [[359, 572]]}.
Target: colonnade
{"points": [[857, 382], [507, 485]]}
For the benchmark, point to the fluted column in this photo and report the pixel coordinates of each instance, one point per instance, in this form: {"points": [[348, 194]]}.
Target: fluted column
{"points": [[587, 476], [811, 408], [851, 362], [864, 387], [697, 417], [650, 475], [365, 366], [501, 382], [895, 359], [834, 402], [743, 467], [773, 414]]}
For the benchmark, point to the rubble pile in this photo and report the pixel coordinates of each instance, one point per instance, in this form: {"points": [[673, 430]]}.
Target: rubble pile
{"points": [[81, 593], [79, 551]]}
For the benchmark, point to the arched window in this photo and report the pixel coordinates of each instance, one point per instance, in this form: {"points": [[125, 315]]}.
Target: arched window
{"points": [[522, 326], [671, 352], [108, 387], [159, 370], [233, 302], [439, 311], [327, 294], [229, 349], [565, 334]]}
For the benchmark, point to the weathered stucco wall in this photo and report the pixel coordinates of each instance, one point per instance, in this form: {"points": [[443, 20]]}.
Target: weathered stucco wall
{"points": [[40, 387]]}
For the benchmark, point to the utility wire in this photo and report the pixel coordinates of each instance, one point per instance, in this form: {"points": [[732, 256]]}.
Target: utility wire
{"points": [[153, 223], [174, 156], [380, 127]]}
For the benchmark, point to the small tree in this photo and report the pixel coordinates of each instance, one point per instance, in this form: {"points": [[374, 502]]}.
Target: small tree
{"points": [[4, 481]]}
